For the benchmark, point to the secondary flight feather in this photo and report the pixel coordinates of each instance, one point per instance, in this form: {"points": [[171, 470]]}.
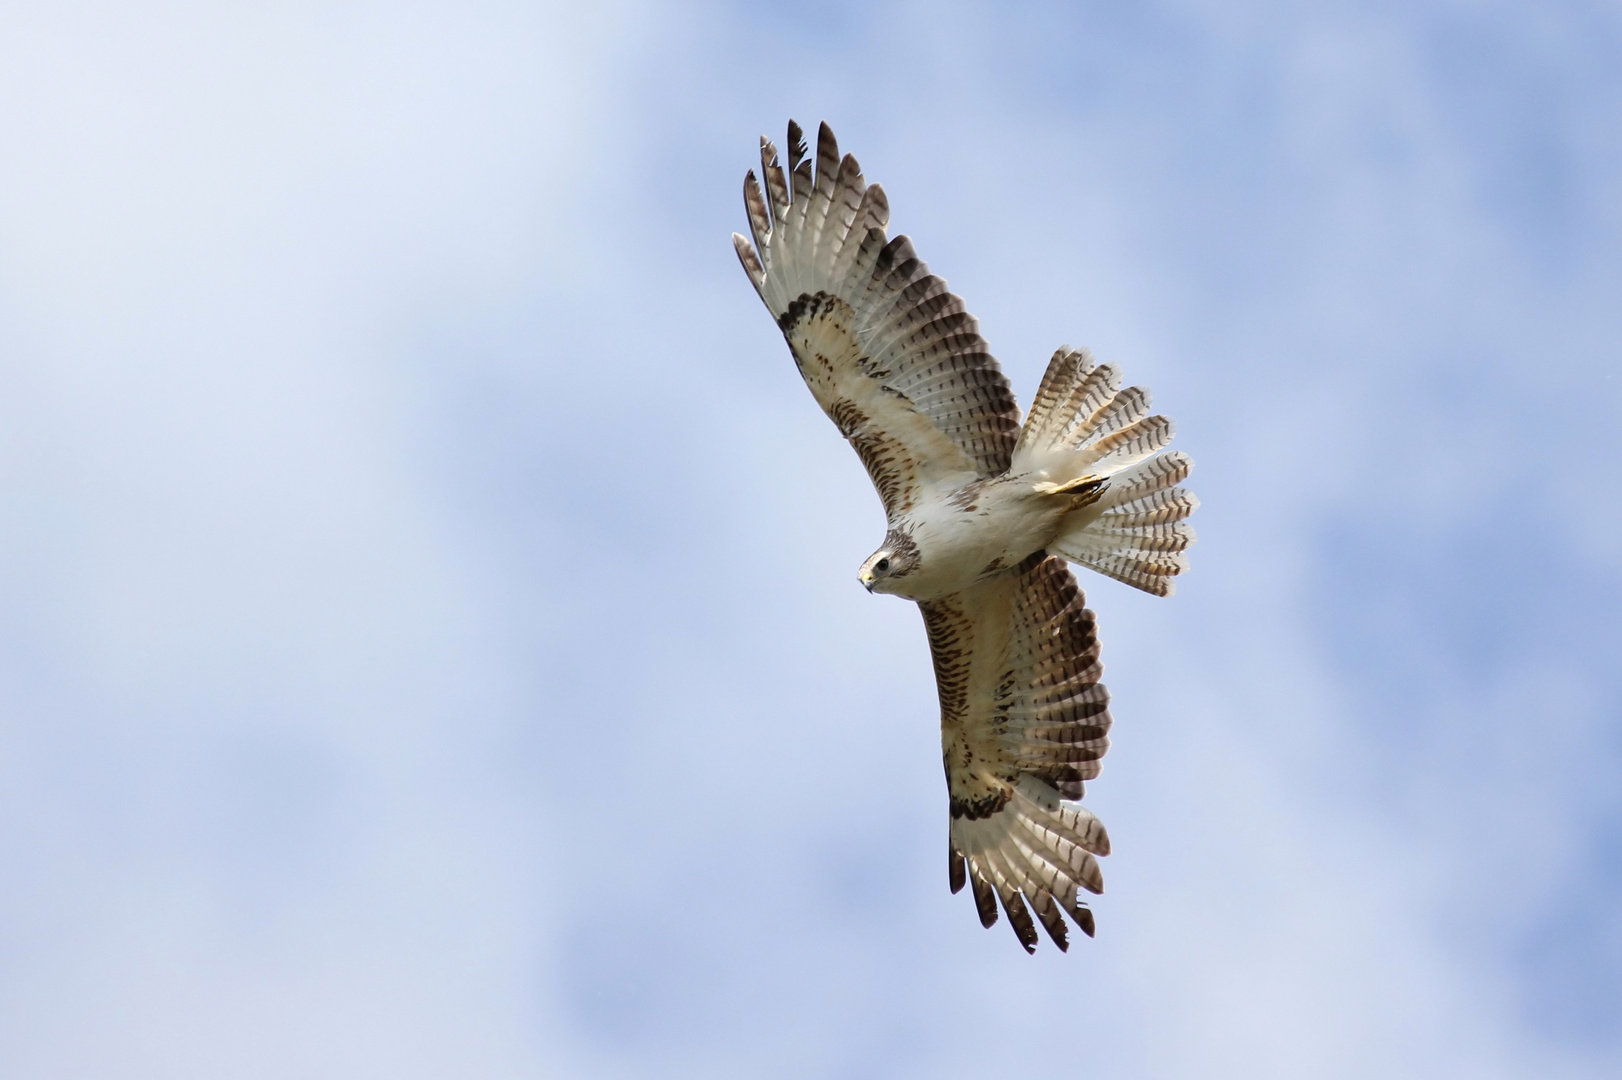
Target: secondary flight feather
{"points": [[982, 513]]}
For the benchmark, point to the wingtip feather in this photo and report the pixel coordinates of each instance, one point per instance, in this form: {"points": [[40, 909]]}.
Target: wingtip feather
{"points": [[749, 259], [985, 899], [1019, 918], [797, 148]]}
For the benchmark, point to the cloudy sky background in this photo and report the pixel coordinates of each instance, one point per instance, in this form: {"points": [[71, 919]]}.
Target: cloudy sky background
{"points": [[429, 640]]}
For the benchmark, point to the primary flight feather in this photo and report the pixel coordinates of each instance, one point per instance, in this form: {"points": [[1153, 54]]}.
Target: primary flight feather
{"points": [[982, 514]]}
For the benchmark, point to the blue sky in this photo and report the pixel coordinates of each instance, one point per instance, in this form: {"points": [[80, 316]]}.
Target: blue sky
{"points": [[429, 642]]}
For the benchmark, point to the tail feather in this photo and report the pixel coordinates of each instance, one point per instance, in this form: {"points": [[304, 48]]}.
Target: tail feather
{"points": [[1126, 408], [1083, 428], [1148, 478], [1150, 571], [1126, 446], [1155, 508], [1056, 385], [1094, 390]]}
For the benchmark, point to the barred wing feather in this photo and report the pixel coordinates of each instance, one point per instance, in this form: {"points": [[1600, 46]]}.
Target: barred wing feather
{"points": [[1024, 723], [889, 353]]}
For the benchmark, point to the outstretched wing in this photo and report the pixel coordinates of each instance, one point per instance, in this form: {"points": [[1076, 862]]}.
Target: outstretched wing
{"points": [[891, 356], [1024, 722]]}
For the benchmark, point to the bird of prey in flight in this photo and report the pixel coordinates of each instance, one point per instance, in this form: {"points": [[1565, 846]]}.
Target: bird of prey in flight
{"points": [[982, 514]]}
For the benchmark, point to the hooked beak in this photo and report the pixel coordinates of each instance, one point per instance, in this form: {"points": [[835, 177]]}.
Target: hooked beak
{"points": [[866, 578]]}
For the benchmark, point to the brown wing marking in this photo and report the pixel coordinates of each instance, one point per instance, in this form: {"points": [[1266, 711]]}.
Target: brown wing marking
{"points": [[1024, 722], [900, 447], [887, 462], [819, 253]]}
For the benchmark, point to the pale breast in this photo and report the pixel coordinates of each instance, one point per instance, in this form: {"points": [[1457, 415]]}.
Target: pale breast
{"points": [[969, 532]]}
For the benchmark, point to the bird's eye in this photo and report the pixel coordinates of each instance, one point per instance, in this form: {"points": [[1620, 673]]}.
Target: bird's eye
{"points": [[882, 566]]}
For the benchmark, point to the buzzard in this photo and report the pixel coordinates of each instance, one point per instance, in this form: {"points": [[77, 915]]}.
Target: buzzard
{"points": [[982, 513]]}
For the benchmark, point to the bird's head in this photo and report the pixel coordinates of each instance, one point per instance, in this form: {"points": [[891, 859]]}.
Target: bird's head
{"points": [[886, 568]]}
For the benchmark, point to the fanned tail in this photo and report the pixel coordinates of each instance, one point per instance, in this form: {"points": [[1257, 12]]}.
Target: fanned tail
{"points": [[1089, 440]]}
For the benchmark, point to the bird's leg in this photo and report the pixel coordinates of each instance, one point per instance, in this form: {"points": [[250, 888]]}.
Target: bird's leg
{"points": [[1084, 490]]}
